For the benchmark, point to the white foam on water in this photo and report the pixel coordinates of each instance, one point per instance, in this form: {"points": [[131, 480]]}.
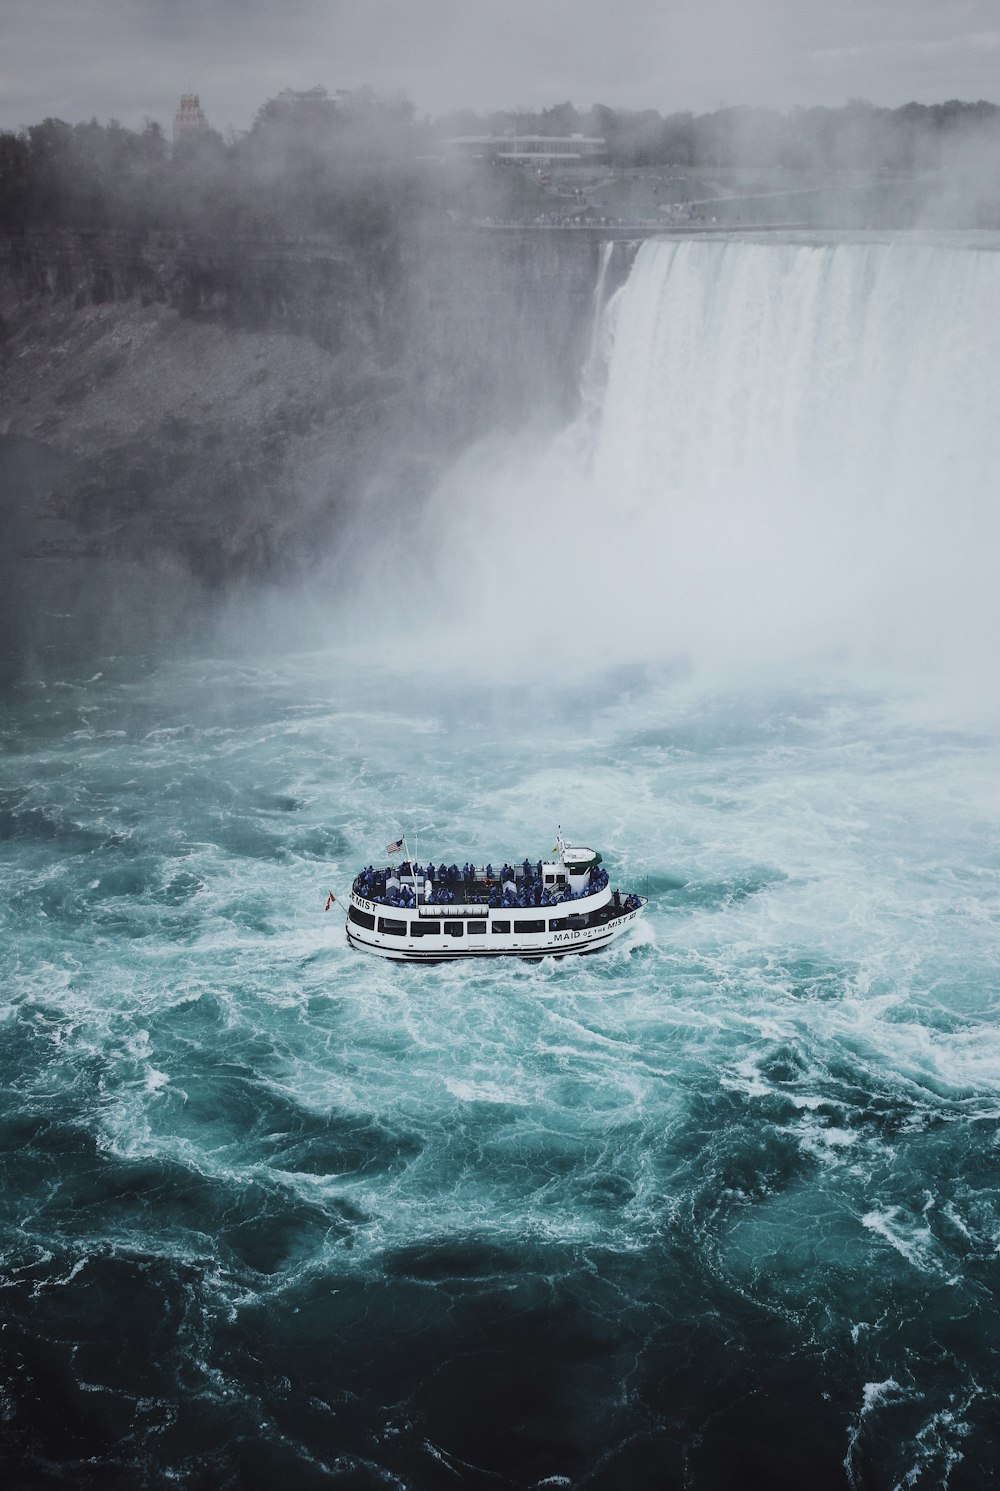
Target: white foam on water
{"points": [[911, 1238], [936, 1444], [874, 1396]]}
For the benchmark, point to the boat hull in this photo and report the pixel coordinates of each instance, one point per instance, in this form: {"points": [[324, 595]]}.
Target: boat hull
{"points": [[530, 946]]}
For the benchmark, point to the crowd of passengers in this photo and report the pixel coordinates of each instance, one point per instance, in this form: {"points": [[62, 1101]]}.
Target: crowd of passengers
{"points": [[451, 885]]}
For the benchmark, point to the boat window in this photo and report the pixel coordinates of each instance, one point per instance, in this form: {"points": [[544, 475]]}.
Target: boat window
{"points": [[529, 926], [477, 929], [391, 927], [500, 926], [558, 923], [454, 929], [361, 918], [425, 929], [550, 880]]}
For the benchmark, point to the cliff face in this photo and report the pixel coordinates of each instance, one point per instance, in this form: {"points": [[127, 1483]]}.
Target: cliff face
{"points": [[217, 408]]}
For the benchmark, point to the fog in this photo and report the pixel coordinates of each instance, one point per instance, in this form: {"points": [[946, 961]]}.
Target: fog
{"points": [[721, 455]]}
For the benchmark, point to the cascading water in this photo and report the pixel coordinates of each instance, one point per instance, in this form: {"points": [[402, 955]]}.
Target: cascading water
{"points": [[794, 459], [716, 1209]]}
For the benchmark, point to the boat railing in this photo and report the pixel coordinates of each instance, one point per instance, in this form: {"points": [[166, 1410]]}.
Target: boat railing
{"points": [[416, 886], [455, 908]]}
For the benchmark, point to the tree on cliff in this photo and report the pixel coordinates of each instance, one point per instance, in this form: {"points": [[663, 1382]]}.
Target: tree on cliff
{"points": [[334, 165], [362, 167], [15, 180], [85, 175], [348, 168], [858, 137]]}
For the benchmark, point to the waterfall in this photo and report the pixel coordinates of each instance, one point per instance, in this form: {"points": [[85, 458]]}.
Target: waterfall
{"points": [[593, 380], [793, 456], [850, 371]]}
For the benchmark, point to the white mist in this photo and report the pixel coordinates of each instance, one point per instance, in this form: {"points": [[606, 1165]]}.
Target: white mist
{"points": [[789, 461]]}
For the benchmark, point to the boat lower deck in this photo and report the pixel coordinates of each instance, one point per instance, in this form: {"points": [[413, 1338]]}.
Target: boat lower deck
{"points": [[425, 940]]}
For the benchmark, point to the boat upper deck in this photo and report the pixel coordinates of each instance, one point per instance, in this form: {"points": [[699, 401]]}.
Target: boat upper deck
{"points": [[524, 885]]}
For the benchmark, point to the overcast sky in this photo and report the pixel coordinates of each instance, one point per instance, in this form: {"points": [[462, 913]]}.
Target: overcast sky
{"points": [[131, 59]]}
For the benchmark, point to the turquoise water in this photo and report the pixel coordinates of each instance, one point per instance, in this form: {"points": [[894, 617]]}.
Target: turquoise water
{"points": [[716, 1208]]}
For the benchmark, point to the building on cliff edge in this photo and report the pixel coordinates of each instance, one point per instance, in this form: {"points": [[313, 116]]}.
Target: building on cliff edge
{"points": [[531, 150], [190, 117]]}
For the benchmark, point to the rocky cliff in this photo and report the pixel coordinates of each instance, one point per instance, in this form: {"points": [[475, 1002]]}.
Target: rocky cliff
{"points": [[217, 408]]}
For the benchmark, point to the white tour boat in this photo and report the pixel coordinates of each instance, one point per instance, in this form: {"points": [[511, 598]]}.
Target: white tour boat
{"points": [[429, 913]]}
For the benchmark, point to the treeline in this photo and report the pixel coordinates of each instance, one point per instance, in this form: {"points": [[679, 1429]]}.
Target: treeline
{"points": [[858, 137], [317, 165], [361, 167]]}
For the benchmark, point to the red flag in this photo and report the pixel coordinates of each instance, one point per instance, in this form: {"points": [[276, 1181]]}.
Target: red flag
{"points": [[329, 901]]}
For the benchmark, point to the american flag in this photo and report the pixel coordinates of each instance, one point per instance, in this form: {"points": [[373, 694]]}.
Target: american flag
{"points": [[394, 847]]}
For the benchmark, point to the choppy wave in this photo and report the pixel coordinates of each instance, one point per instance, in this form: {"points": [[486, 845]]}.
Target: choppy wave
{"points": [[715, 1208]]}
